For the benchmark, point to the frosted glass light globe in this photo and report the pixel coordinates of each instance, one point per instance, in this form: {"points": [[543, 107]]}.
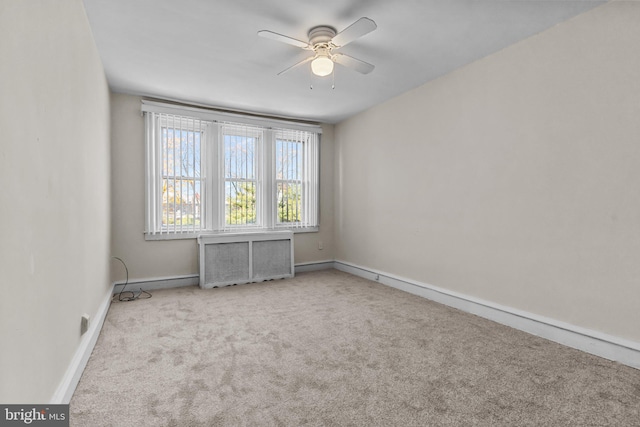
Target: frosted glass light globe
{"points": [[322, 66]]}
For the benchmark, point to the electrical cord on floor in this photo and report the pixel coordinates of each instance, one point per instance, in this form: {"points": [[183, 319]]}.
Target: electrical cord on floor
{"points": [[133, 295]]}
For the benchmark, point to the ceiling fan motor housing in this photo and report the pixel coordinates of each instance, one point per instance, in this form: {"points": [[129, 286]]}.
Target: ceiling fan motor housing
{"points": [[321, 34]]}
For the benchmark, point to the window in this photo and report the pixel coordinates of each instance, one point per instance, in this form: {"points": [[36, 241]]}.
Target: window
{"points": [[240, 175], [288, 180], [175, 174], [207, 173], [295, 182]]}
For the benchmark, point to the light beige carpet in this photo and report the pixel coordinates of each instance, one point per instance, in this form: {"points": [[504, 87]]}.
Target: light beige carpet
{"points": [[328, 348]]}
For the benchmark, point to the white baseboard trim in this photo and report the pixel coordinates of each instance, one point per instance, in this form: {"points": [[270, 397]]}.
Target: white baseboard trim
{"points": [[314, 266], [610, 347], [156, 283], [70, 380]]}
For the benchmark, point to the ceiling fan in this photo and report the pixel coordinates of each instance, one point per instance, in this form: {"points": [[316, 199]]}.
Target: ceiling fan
{"points": [[323, 42]]}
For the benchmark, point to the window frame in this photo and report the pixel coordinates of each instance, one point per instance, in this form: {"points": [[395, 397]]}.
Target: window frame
{"points": [[295, 137], [212, 197], [258, 177]]}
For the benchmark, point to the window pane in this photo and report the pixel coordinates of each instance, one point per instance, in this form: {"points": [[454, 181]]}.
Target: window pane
{"points": [[240, 174], [289, 202], [181, 152], [182, 178], [189, 152], [289, 179], [181, 202], [189, 208], [240, 203], [288, 160], [239, 156]]}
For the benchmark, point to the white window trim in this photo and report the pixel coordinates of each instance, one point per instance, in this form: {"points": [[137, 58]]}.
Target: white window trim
{"points": [[213, 165], [220, 116]]}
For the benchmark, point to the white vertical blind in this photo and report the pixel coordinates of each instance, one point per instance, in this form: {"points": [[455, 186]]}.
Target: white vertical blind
{"points": [[205, 176], [175, 174], [151, 174], [296, 178], [240, 175], [311, 189]]}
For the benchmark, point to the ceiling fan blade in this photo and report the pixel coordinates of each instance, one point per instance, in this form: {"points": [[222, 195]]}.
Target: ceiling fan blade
{"points": [[353, 63], [356, 30], [297, 64], [285, 39]]}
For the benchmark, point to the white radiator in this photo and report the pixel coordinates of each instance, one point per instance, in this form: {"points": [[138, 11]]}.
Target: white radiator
{"points": [[233, 259]]}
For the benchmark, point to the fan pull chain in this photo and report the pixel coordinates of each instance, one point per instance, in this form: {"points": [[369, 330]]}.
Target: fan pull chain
{"points": [[333, 76], [310, 79]]}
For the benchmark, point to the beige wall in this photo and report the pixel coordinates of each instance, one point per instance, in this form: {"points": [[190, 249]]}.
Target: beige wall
{"points": [[514, 179], [54, 202], [166, 258]]}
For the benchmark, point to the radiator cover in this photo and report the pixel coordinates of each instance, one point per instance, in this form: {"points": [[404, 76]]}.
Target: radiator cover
{"points": [[236, 258]]}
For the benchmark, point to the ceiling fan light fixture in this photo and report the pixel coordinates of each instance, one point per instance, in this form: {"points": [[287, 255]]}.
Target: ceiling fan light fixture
{"points": [[323, 41], [322, 66]]}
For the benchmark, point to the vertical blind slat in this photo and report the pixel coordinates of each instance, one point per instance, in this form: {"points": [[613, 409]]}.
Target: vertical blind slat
{"points": [[180, 168], [193, 196]]}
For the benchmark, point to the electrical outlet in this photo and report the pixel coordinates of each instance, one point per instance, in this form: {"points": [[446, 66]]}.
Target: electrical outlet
{"points": [[84, 323]]}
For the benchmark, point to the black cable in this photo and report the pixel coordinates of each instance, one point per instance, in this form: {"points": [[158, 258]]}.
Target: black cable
{"points": [[133, 296]]}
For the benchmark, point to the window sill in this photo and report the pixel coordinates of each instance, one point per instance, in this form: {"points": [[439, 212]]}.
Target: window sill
{"points": [[185, 236]]}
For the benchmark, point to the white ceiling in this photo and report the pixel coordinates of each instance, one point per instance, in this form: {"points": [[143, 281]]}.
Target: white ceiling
{"points": [[208, 52]]}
